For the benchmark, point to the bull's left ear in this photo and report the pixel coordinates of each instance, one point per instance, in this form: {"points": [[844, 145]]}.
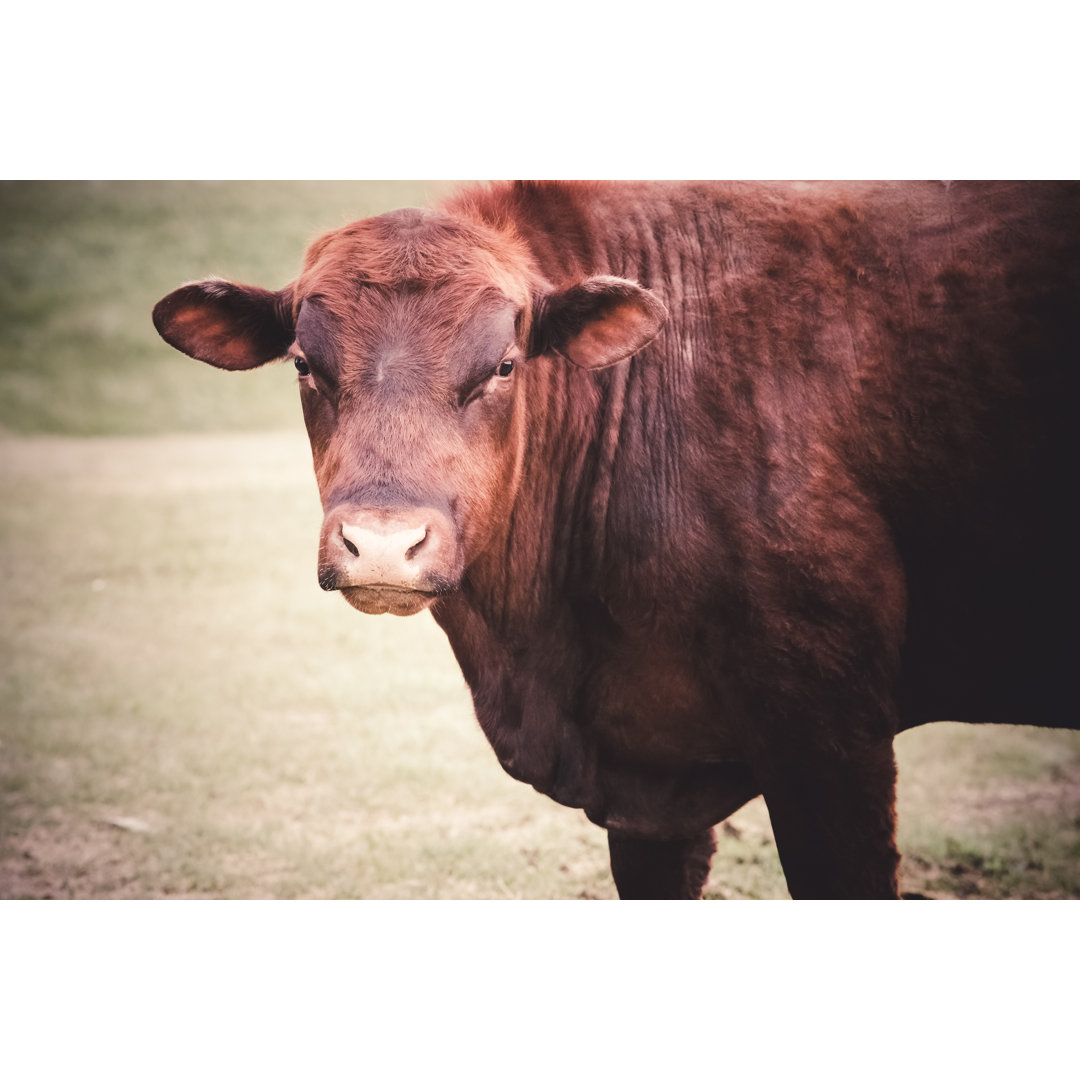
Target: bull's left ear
{"points": [[599, 322]]}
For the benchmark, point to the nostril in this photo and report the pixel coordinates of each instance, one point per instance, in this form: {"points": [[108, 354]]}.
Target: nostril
{"points": [[353, 550], [414, 550]]}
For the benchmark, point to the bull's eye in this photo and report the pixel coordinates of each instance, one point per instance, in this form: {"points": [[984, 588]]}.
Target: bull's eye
{"points": [[301, 365], [506, 367]]}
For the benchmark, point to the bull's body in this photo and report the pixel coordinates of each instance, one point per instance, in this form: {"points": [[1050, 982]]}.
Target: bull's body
{"points": [[727, 552]]}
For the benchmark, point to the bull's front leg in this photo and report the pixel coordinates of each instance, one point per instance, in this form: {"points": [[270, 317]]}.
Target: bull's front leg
{"points": [[660, 869], [833, 813]]}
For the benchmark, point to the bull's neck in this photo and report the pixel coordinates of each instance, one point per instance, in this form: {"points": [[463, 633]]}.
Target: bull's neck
{"points": [[569, 508], [603, 451]]}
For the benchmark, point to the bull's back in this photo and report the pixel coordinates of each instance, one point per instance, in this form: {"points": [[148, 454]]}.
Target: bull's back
{"points": [[954, 310], [981, 485]]}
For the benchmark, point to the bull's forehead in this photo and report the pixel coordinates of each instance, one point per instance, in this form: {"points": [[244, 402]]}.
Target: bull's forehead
{"points": [[430, 337], [419, 248]]}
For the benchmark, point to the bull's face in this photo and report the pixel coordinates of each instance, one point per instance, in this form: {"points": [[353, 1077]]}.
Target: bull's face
{"points": [[411, 336], [416, 432]]}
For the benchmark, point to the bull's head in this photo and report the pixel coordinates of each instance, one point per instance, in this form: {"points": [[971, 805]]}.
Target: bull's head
{"points": [[410, 334]]}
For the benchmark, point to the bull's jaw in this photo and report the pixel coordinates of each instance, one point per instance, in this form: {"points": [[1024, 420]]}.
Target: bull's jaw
{"points": [[387, 599]]}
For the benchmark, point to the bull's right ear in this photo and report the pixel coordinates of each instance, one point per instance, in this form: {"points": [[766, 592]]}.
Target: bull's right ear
{"points": [[235, 327]]}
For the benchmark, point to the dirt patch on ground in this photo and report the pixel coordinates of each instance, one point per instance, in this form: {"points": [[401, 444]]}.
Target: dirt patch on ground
{"points": [[1006, 839], [1002, 802], [102, 852], [67, 857]]}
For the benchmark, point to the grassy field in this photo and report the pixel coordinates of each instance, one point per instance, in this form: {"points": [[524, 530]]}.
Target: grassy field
{"points": [[184, 713]]}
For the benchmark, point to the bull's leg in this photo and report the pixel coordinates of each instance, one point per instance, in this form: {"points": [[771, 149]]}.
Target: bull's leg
{"points": [[834, 818], [660, 869]]}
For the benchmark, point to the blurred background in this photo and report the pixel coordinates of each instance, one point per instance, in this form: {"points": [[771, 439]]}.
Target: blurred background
{"points": [[183, 712]]}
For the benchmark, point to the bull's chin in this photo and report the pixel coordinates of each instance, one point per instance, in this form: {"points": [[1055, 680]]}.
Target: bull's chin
{"points": [[387, 599]]}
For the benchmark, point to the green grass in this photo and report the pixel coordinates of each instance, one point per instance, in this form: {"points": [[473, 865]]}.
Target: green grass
{"points": [[990, 812], [184, 713], [169, 658]]}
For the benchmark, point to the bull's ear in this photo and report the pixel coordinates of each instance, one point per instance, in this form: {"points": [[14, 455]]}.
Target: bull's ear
{"points": [[230, 326], [599, 322]]}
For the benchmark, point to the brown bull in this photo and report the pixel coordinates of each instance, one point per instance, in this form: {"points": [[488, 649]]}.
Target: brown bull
{"points": [[713, 488]]}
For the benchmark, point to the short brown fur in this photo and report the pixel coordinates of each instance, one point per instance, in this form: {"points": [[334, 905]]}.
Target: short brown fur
{"points": [[825, 492]]}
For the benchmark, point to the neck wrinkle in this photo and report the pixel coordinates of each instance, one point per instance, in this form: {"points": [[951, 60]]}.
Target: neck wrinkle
{"points": [[553, 543]]}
